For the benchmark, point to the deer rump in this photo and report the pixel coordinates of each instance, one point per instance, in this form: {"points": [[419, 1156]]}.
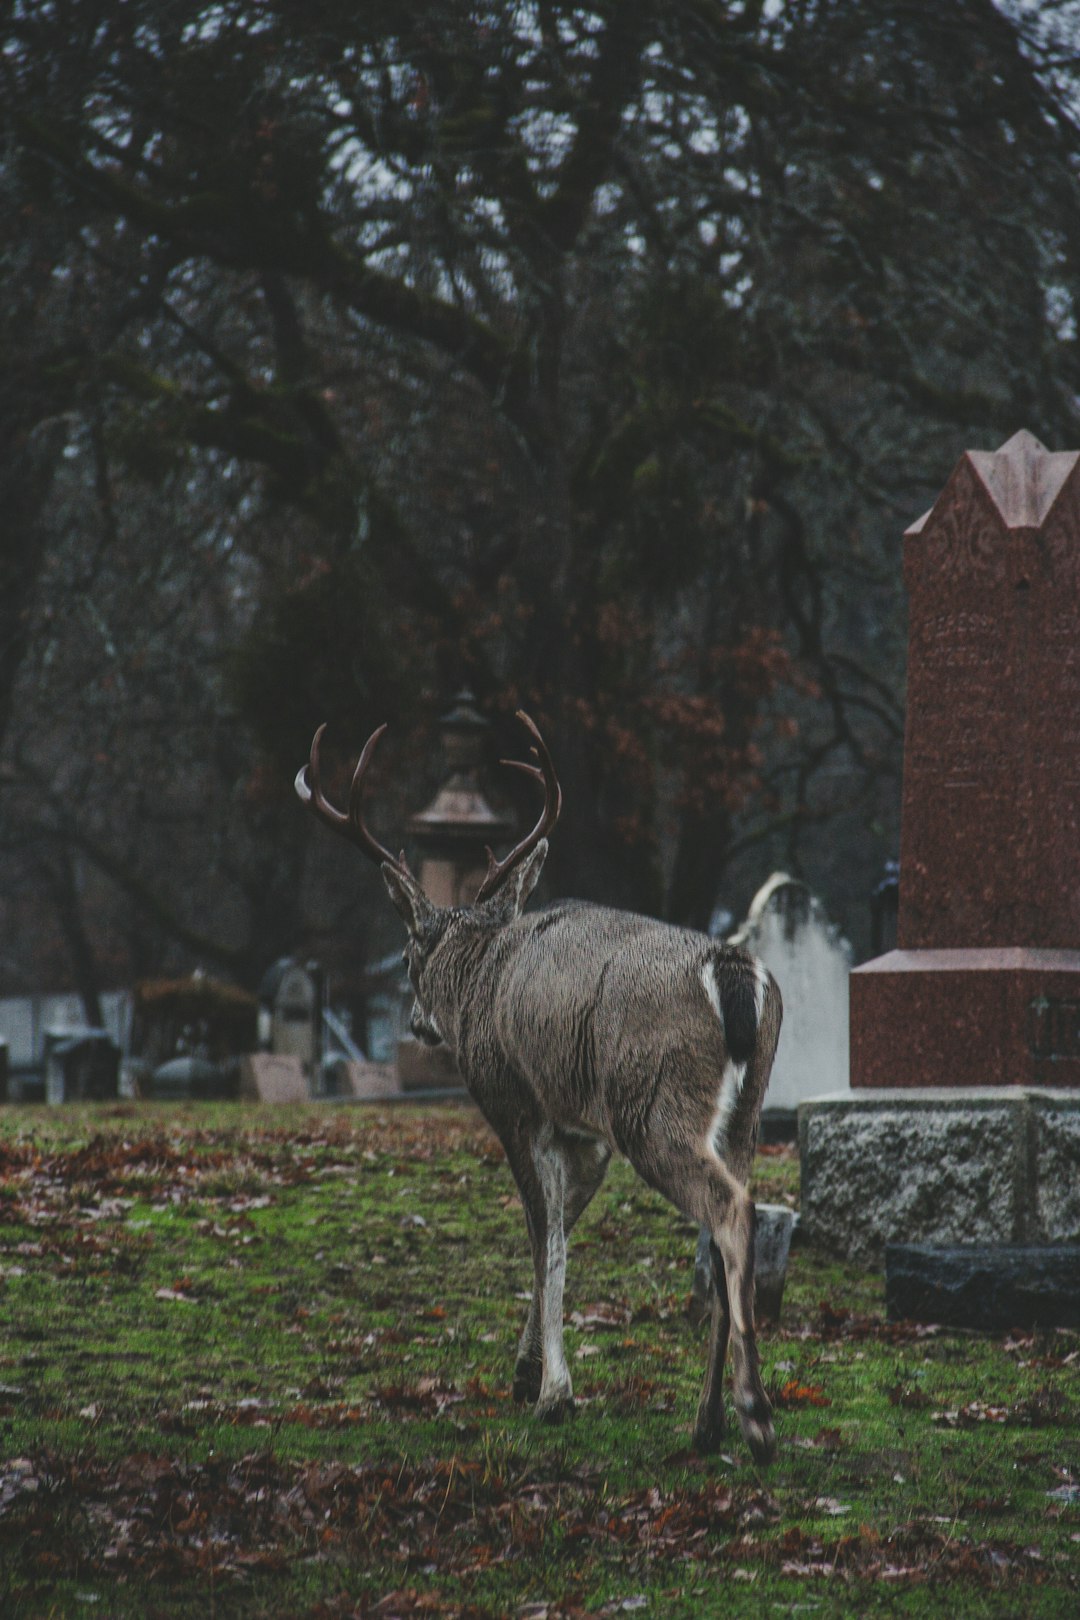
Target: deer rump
{"points": [[581, 1005]]}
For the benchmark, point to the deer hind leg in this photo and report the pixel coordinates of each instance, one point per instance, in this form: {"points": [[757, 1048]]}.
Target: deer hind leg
{"points": [[733, 1236], [529, 1362], [711, 1423], [712, 1195]]}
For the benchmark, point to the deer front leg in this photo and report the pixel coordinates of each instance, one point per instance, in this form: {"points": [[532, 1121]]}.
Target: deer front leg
{"points": [[556, 1395], [540, 1371], [585, 1160]]}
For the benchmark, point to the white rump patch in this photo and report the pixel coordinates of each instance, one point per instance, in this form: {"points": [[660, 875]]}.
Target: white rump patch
{"points": [[761, 985], [734, 1073], [708, 979], [730, 1087]]}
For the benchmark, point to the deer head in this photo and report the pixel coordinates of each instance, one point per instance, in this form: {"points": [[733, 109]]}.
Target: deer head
{"points": [[506, 887]]}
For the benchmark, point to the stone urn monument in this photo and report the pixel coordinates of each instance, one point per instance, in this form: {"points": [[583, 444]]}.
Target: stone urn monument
{"points": [[452, 835]]}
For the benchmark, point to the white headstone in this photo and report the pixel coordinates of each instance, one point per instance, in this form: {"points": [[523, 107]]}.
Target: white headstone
{"points": [[295, 1012], [811, 962]]}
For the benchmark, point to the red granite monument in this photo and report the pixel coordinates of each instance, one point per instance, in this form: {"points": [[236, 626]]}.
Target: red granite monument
{"points": [[984, 986]]}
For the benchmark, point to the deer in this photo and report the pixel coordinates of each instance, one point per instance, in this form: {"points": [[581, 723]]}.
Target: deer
{"points": [[580, 1032]]}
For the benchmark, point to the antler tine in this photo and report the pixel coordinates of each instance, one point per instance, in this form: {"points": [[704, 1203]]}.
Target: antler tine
{"points": [[351, 825], [545, 773]]}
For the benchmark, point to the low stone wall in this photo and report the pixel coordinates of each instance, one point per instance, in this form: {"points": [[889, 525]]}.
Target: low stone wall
{"points": [[937, 1165]]}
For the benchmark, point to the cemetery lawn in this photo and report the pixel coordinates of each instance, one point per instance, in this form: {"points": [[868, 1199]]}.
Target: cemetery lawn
{"points": [[256, 1362]]}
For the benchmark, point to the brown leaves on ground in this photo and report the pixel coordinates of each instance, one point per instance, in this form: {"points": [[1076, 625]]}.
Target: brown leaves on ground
{"points": [[164, 1519], [913, 1555], [1046, 1408], [183, 1158], [794, 1394], [67, 1194], [836, 1322]]}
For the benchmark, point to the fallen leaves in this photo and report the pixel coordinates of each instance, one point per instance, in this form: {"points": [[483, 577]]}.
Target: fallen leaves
{"points": [[794, 1394], [836, 1322], [915, 1554], [165, 1518]]}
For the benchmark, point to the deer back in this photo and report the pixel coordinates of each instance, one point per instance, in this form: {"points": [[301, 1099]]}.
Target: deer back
{"points": [[616, 1022]]}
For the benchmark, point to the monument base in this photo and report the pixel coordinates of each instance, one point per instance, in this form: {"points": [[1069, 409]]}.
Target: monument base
{"points": [[993, 1164], [974, 1017]]}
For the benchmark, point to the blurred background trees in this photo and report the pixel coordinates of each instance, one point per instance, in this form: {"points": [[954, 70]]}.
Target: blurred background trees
{"points": [[596, 357]]}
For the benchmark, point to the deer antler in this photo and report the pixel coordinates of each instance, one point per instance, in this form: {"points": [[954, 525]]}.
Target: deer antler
{"points": [[350, 825], [544, 773]]}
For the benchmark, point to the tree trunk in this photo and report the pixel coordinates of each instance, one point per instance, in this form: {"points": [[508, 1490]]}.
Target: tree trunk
{"points": [[62, 884]]}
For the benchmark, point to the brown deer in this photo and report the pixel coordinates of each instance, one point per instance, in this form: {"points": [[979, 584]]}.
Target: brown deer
{"points": [[582, 1031]]}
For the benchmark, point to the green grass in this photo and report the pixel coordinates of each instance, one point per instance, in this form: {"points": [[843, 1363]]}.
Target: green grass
{"points": [[257, 1362]]}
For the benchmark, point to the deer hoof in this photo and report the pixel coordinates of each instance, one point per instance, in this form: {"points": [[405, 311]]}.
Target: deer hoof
{"points": [[756, 1423], [528, 1376], [709, 1435], [554, 1408]]}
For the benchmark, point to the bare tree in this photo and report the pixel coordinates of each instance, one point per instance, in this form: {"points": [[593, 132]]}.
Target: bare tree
{"points": [[596, 356]]}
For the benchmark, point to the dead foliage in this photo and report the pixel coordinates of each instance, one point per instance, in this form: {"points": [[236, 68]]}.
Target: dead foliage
{"points": [[165, 1519]]}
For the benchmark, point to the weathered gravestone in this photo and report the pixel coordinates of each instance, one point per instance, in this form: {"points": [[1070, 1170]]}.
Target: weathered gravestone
{"points": [[366, 1081], [274, 1077], [983, 989], [787, 928], [295, 1012], [774, 1227]]}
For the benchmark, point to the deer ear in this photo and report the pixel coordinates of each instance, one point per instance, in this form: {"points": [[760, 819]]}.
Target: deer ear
{"points": [[413, 905], [509, 899]]}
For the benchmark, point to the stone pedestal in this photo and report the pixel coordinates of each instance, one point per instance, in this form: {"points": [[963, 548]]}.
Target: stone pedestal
{"points": [[941, 1165], [452, 834]]}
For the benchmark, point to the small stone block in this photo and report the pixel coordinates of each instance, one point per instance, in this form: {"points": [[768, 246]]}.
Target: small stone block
{"points": [[427, 1068], [995, 1165], [986, 1286], [370, 1082], [271, 1077], [775, 1223]]}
